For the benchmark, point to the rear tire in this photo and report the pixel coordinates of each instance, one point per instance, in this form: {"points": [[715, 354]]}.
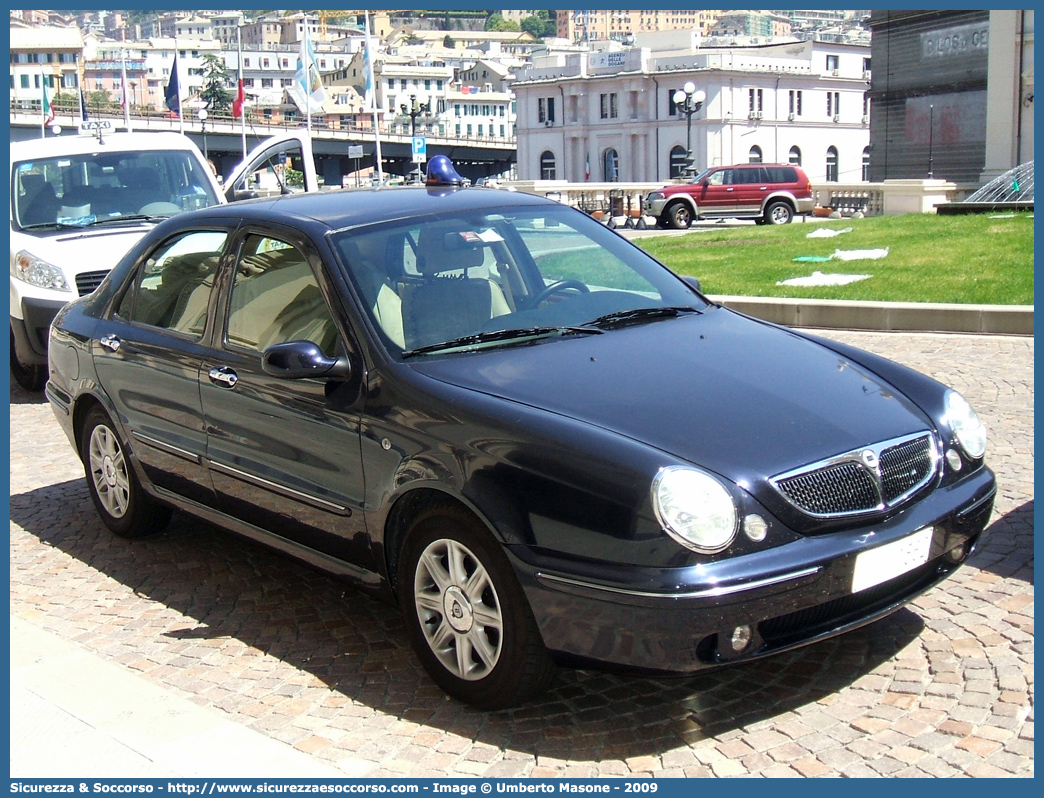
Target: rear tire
{"points": [[32, 376], [466, 613], [779, 213], [118, 497], [679, 216]]}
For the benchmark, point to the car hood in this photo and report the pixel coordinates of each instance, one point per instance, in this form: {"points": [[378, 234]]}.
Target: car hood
{"points": [[736, 396], [79, 250]]}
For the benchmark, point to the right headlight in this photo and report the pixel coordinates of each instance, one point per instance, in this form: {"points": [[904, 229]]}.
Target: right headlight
{"points": [[965, 423], [694, 508], [33, 270]]}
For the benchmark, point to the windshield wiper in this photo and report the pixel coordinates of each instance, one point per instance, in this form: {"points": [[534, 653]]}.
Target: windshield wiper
{"points": [[622, 318], [517, 335], [51, 226], [130, 217]]}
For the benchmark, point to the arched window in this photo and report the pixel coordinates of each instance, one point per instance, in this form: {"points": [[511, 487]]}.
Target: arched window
{"points": [[831, 165], [795, 156], [866, 163], [610, 166], [547, 165], [755, 154], [677, 164]]}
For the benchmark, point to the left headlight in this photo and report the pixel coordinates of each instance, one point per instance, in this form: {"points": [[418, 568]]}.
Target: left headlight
{"points": [[33, 270], [694, 508], [966, 424]]}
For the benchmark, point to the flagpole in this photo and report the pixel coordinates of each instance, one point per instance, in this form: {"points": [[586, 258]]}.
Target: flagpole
{"points": [[123, 89], [43, 105], [177, 79], [307, 59], [373, 101], [239, 88]]}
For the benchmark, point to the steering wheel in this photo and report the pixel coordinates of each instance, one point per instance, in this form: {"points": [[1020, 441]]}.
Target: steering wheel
{"points": [[554, 288]]}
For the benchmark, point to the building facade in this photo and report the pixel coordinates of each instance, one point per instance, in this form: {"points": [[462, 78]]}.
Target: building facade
{"points": [[44, 56], [952, 92], [610, 115], [616, 24]]}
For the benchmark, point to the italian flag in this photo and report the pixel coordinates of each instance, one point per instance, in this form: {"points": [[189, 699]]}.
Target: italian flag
{"points": [[48, 111]]}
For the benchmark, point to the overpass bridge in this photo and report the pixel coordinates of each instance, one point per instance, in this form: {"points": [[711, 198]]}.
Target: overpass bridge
{"points": [[222, 141]]}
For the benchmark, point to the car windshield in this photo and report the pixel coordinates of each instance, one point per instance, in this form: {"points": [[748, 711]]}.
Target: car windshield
{"points": [[504, 277], [103, 187]]}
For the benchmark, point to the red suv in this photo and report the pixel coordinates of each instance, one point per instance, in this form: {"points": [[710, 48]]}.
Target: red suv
{"points": [[766, 193]]}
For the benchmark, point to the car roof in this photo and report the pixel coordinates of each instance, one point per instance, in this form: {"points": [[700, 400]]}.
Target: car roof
{"points": [[111, 142], [343, 208]]}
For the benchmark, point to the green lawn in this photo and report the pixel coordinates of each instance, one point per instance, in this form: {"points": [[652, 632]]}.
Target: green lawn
{"points": [[970, 259]]}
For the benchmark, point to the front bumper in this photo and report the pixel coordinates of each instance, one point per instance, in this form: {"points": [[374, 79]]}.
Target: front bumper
{"points": [[653, 207], [682, 620], [32, 331]]}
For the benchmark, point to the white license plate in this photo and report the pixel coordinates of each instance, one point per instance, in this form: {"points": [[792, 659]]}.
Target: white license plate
{"points": [[889, 561]]}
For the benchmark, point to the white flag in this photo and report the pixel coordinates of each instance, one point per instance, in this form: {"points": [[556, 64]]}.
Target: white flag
{"points": [[308, 80]]}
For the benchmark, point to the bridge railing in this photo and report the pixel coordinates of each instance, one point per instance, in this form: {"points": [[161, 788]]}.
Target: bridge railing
{"points": [[620, 203], [224, 124]]}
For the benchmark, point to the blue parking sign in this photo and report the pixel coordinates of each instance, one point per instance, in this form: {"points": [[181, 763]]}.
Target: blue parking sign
{"points": [[420, 149]]}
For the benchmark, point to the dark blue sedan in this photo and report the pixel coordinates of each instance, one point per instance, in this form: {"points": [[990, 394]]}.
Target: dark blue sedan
{"points": [[542, 444]]}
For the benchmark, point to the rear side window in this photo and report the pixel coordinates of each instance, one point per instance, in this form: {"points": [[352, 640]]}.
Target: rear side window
{"points": [[173, 286], [749, 176], [781, 174]]}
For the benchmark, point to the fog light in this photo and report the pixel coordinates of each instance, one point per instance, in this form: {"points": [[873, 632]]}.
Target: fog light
{"points": [[740, 638], [958, 553], [953, 459], [755, 527]]}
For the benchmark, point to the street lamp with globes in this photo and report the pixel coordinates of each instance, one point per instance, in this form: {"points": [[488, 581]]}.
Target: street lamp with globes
{"points": [[203, 122], [688, 101]]}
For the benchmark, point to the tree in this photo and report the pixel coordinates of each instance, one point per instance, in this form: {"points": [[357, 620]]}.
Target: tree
{"points": [[448, 42], [497, 23], [216, 78], [539, 26]]}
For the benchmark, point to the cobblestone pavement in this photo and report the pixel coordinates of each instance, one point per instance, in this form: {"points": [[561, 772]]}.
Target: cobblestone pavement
{"points": [[941, 688]]}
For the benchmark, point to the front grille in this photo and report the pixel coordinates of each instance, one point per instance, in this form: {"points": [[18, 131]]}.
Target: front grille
{"points": [[864, 480], [86, 282], [811, 621]]}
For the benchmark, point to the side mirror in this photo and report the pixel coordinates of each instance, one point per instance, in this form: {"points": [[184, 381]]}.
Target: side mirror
{"points": [[296, 360], [237, 195], [693, 283]]}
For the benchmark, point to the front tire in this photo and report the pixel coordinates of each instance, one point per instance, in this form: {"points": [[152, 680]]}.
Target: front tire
{"points": [[466, 614], [779, 213], [30, 376], [118, 497], [679, 216]]}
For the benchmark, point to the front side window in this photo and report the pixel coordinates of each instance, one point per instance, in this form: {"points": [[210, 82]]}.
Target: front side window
{"points": [[276, 298], [500, 276], [173, 286]]}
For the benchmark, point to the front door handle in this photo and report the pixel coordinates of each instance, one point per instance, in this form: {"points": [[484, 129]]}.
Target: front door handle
{"points": [[110, 342], [225, 376]]}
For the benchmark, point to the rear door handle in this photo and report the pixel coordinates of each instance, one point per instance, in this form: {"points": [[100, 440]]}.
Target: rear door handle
{"points": [[223, 375], [110, 342]]}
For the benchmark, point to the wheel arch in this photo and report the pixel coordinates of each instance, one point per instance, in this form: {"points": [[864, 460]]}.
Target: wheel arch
{"points": [[779, 197], [683, 198], [408, 506]]}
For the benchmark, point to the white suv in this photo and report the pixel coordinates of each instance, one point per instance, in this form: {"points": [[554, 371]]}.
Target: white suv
{"points": [[78, 203]]}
